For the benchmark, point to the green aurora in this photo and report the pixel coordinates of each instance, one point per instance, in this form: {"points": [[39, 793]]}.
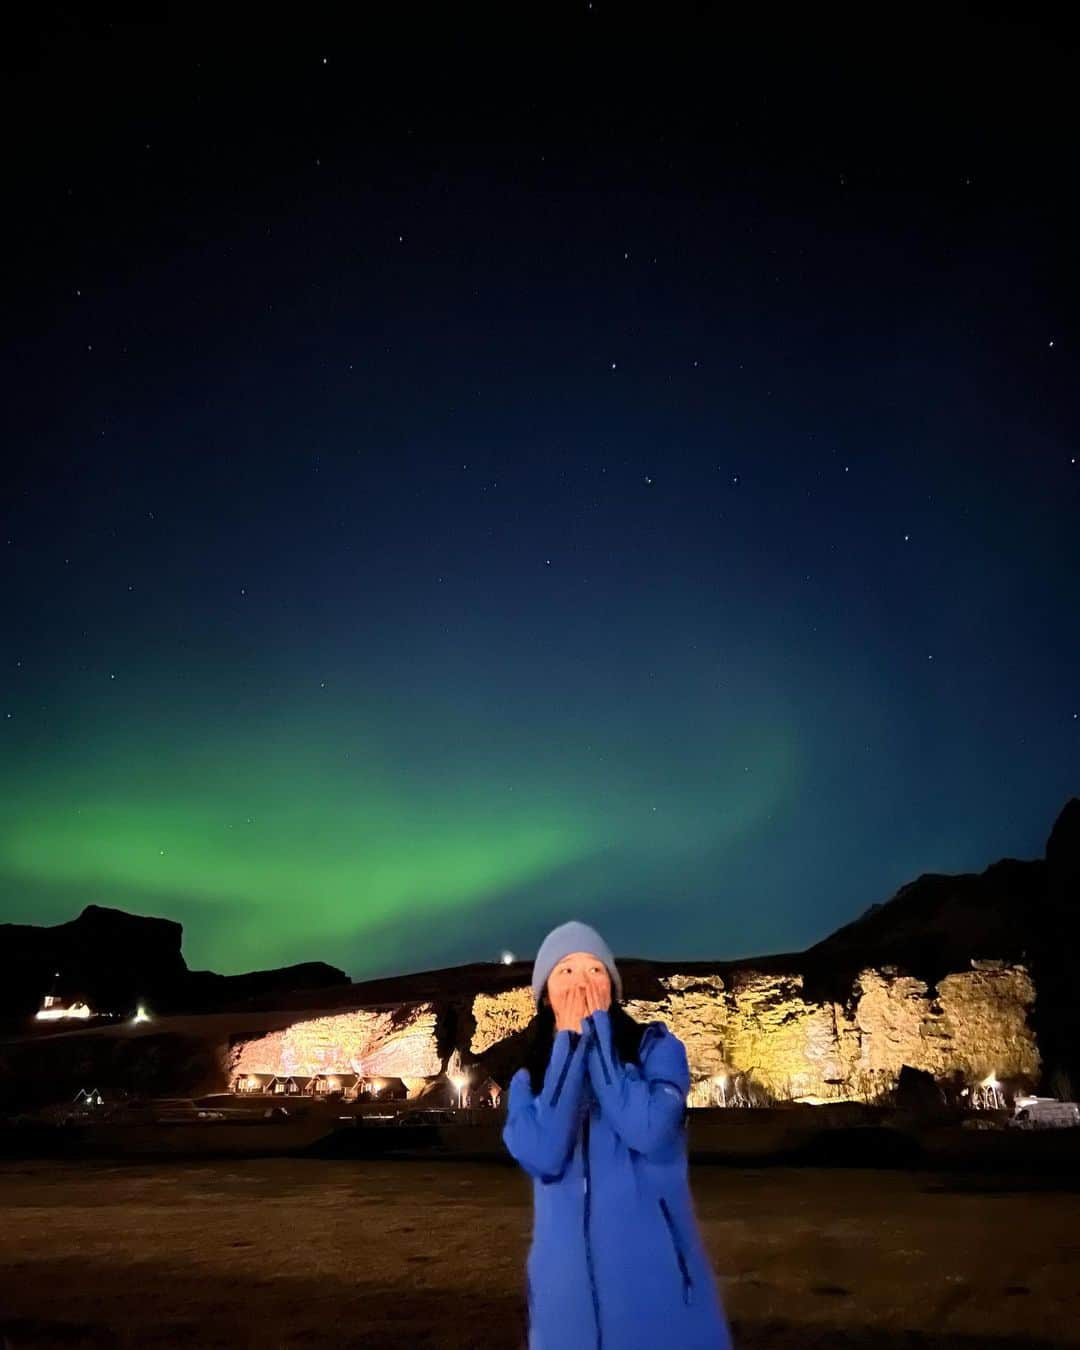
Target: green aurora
{"points": [[346, 839]]}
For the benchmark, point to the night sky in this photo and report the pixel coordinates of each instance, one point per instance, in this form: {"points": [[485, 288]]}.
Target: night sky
{"points": [[465, 473]]}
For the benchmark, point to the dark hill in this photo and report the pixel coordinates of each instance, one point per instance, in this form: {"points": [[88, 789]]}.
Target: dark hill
{"points": [[113, 961]]}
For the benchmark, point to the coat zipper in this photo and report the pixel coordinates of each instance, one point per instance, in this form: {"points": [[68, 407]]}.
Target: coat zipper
{"points": [[562, 1075], [688, 1284], [603, 1059], [588, 1244]]}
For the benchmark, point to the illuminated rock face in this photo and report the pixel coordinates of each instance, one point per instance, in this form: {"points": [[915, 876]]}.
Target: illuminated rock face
{"points": [[763, 1026], [500, 1015], [397, 1043], [977, 1024]]}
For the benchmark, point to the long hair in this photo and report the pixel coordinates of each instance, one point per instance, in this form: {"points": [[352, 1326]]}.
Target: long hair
{"points": [[540, 1037]]}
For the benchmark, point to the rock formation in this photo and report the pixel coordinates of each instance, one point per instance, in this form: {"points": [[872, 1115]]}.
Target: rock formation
{"points": [[385, 1043], [764, 1026]]}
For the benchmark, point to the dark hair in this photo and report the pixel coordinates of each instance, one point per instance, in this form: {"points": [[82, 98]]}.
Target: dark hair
{"points": [[539, 1037]]}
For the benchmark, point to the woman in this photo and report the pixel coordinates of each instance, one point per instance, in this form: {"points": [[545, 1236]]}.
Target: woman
{"points": [[597, 1119]]}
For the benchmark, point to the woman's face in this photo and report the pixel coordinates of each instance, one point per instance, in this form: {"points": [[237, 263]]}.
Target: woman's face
{"points": [[571, 972]]}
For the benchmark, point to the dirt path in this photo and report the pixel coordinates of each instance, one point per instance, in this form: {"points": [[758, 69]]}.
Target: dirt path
{"points": [[301, 1253]]}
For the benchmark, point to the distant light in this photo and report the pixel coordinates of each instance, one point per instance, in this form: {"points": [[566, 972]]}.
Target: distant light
{"points": [[508, 958], [141, 1015], [58, 1012]]}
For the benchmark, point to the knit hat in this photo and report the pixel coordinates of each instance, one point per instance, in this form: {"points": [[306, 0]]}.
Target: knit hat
{"points": [[560, 942]]}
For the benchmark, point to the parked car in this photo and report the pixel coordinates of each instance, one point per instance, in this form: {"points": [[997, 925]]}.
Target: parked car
{"points": [[1043, 1113]]}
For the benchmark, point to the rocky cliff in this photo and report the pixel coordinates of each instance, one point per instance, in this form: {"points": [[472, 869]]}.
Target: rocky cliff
{"points": [[113, 961], [764, 1029], [374, 1043]]}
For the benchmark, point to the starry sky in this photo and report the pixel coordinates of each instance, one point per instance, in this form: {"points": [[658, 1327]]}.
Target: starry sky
{"points": [[478, 468]]}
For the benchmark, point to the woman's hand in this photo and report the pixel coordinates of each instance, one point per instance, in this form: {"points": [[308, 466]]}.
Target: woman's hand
{"points": [[597, 994], [570, 1010]]}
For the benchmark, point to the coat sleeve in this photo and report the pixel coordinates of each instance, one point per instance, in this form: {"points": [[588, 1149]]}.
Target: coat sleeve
{"points": [[540, 1131], [645, 1104]]}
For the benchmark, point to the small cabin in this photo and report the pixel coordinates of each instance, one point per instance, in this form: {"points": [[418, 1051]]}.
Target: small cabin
{"points": [[248, 1084], [283, 1085], [378, 1089], [327, 1085], [487, 1093]]}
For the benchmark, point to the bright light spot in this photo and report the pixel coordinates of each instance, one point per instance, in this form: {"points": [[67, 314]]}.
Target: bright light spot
{"points": [[507, 958], [141, 1015], [58, 1012]]}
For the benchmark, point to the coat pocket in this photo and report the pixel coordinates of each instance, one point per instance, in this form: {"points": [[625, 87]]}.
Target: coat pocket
{"points": [[680, 1255]]}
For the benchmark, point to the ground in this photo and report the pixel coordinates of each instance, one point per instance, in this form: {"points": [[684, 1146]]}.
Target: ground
{"points": [[318, 1254]]}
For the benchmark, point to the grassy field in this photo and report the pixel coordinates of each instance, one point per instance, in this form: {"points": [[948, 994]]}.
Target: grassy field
{"points": [[319, 1254]]}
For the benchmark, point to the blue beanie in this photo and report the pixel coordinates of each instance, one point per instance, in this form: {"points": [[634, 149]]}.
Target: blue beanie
{"points": [[560, 942]]}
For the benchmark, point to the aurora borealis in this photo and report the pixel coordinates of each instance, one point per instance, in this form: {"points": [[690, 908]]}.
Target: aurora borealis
{"points": [[430, 519]]}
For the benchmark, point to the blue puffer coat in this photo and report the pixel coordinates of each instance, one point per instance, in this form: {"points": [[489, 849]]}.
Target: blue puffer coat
{"points": [[617, 1261]]}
